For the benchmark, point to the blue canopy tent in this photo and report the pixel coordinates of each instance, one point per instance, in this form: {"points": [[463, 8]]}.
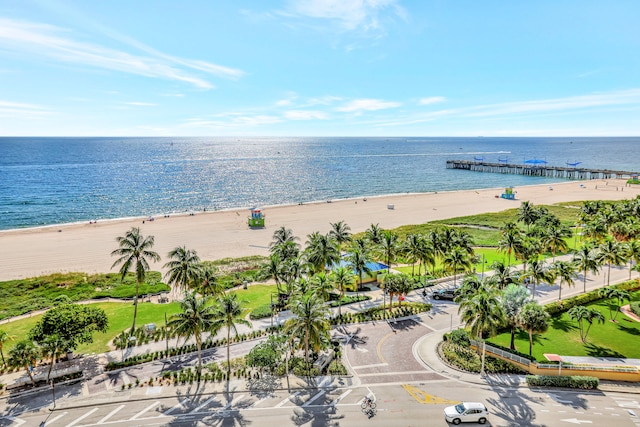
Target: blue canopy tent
{"points": [[535, 162]]}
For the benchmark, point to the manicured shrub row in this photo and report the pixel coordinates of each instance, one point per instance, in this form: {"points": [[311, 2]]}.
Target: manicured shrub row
{"points": [[635, 308], [581, 382], [144, 358], [376, 313], [260, 312], [459, 337], [350, 299], [469, 360], [558, 307]]}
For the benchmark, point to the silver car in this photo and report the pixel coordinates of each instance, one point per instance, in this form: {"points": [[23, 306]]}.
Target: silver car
{"points": [[466, 412]]}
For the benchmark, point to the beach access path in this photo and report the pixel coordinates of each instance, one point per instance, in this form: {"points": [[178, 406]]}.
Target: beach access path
{"points": [[222, 234]]}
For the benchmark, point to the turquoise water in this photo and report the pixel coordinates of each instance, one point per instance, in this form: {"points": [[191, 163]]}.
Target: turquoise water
{"points": [[47, 181]]}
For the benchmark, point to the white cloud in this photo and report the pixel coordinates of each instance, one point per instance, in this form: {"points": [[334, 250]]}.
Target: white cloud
{"points": [[141, 104], [51, 42], [22, 110], [305, 115], [432, 100], [233, 121], [362, 15], [360, 105]]}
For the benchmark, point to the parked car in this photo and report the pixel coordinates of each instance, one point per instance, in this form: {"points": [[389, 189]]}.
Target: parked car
{"points": [[466, 412], [449, 294]]}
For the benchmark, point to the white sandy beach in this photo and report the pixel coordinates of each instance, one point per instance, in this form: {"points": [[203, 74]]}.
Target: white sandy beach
{"points": [[215, 235]]}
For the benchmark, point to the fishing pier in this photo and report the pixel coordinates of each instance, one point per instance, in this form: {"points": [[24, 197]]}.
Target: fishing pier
{"points": [[538, 169]]}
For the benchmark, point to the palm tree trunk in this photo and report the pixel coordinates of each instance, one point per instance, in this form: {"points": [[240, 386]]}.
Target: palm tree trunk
{"points": [[584, 281], [199, 347], [608, 273], [228, 354], [135, 309], [30, 375], [53, 360], [512, 346], [2, 354], [530, 342]]}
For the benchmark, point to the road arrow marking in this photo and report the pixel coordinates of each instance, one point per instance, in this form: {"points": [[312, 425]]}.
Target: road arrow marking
{"points": [[577, 421], [557, 398]]}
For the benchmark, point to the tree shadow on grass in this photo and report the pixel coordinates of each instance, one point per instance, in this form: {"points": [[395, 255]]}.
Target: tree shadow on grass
{"points": [[563, 324], [594, 350], [630, 331]]}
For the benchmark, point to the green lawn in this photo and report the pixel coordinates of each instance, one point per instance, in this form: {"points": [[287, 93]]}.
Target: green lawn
{"points": [[610, 339], [120, 317]]}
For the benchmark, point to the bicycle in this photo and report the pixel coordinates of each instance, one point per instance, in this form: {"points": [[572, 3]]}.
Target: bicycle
{"points": [[368, 403]]}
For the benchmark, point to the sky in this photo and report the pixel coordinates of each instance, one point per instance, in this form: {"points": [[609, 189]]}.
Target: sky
{"points": [[319, 68]]}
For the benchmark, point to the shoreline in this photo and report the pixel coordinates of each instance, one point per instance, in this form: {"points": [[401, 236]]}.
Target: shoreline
{"points": [[84, 247]]}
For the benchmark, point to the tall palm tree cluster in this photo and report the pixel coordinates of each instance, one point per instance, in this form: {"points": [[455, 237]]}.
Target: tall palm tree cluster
{"points": [[187, 273], [610, 234]]}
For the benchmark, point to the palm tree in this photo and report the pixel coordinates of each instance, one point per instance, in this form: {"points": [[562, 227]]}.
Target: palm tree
{"points": [[633, 253], [197, 316], [322, 285], [586, 260], [134, 253], [614, 296], [454, 259], [229, 313], [534, 319], [502, 275], [272, 269], [580, 314], [209, 285], [342, 279], [528, 214], [566, 272], [412, 249], [183, 269], [322, 251], [4, 337], [612, 252], [482, 312], [554, 239], [53, 347], [514, 297], [509, 242], [309, 323], [389, 247], [280, 236], [358, 260], [25, 354], [373, 234], [537, 272], [341, 232]]}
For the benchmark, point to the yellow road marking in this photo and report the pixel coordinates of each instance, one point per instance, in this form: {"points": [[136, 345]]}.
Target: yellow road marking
{"points": [[379, 347], [423, 397]]}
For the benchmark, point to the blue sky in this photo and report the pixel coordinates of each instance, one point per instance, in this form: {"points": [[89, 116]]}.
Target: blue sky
{"points": [[319, 68]]}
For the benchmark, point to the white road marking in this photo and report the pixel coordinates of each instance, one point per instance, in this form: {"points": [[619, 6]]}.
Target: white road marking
{"points": [[148, 408], [16, 420], [77, 420], [54, 419], [288, 399], [177, 406], [206, 402], [317, 395], [375, 365], [110, 414], [342, 396]]}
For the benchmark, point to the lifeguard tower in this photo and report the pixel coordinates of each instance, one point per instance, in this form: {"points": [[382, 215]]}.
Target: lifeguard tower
{"points": [[508, 194], [256, 220]]}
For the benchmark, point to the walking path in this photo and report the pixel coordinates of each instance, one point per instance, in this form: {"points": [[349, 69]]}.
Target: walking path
{"points": [[425, 349]]}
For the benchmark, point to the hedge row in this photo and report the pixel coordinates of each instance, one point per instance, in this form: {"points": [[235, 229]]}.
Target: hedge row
{"points": [[635, 308], [469, 360], [377, 313], [586, 298], [576, 381]]}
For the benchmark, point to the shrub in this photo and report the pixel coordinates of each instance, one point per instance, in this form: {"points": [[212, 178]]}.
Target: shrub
{"points": [[459, 337], [581, 382], [261, 312], [336, 368], [635, 308], [558, 307], [468, 360]]}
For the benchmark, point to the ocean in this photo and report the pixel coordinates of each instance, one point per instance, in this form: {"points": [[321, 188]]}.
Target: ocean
{"points": [[46, 181]]}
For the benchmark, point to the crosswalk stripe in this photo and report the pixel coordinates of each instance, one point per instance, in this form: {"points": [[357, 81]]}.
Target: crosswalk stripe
{"points": [[177, 406], [110, 414], [77, 420], [342, 396], [148, 408], [317, 395], [288, 399], [54, 419], [206, 402]]}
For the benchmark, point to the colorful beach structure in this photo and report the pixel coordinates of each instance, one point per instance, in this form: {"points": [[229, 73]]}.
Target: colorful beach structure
{"points": [[508, 194], [256, 219]]}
